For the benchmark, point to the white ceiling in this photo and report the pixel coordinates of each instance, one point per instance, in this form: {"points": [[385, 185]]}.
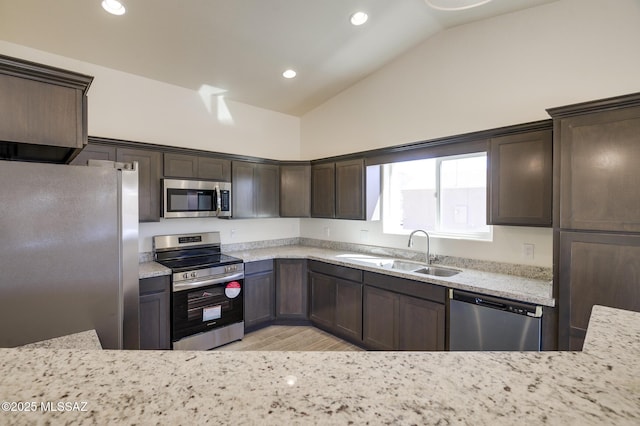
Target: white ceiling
{"points": [[241, 46]]}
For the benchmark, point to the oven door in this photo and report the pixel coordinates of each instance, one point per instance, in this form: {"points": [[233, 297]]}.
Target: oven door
{"points": [[202, 309]]}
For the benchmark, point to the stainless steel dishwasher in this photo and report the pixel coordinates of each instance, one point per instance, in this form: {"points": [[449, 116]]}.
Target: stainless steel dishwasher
{"points": [[485, 323]]}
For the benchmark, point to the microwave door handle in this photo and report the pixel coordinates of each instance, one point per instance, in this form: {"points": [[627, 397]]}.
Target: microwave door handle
{"points": [[218, 200]]}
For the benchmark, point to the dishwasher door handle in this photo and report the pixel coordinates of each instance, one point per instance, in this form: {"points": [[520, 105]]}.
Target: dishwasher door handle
{"points": [[490, 304]]}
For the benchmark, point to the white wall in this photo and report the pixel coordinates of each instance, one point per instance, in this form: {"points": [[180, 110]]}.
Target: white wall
{"points": [[492, 73]]}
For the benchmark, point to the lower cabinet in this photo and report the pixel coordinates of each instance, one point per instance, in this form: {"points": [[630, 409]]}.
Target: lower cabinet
{"points": [[259, 294], [155, 320], [291, 289], [335, 304], [412, 317]]}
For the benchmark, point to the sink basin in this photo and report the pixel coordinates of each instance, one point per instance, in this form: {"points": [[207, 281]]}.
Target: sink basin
{"points": [[437, 271], [408, 266]]}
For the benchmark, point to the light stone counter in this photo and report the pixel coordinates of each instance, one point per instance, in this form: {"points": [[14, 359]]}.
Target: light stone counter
{"points": [[152, 269], [597, 387], [501, 285]]}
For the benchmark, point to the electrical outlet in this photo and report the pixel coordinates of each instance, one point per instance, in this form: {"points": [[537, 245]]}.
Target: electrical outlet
{"points": [[528, 251], [327, 231], [233, 233], [364, 235]]}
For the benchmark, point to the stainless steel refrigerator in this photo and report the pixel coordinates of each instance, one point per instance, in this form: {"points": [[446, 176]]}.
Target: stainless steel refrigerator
{"points": [[69, 252]]}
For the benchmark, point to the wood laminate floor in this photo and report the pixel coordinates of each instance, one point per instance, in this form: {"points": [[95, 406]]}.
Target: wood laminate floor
{"points": [[289, 338]]}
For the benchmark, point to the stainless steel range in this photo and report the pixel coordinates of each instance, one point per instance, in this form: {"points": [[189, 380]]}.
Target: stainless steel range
{"points": [[207, 306]]}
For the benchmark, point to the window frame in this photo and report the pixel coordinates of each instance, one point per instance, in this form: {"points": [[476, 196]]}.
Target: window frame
{"points": [[437, 233]]}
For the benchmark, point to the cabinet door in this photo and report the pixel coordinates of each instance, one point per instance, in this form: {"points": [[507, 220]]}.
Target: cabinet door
{"points": [[322, 300], [243, 187], [180, 165], [348, 312], [214, 169], [420, 325], [267, 190], [599, 173], [323, 190], [520, 179], [291, 289], [379, 320], [350, 191], [295, 191], [42, 113], [94, 152], [259, 299], [155, 320], [149, 164], [595, 269]]}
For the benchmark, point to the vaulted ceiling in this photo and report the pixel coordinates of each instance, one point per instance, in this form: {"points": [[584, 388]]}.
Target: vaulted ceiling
{"points": [[240, 47]]}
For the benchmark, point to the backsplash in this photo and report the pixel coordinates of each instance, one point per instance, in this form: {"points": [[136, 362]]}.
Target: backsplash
{"points": [[525, 271]]}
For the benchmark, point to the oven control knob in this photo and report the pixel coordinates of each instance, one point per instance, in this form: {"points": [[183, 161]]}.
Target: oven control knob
{"points": [[193, 275], [185, 275]]}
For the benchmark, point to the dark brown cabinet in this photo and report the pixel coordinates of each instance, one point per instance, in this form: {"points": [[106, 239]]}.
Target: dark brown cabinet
{"points": [[155, 319], [595, 269], [597, 211], [43, 110], [350, 190], [295, 190], [520, 180], [95, 152], [196, 167], [335, 302], [291, 289], [400, 314], [599, 174], [149, 165], [323, 201], [338, 190], [259, 294], [255, 189]]}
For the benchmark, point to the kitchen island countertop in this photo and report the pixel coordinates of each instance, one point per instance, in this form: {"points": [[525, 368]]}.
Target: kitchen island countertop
{"points": [[598, 386]]}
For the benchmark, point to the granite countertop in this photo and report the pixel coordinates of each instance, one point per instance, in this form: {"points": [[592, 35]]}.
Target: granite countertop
{"points": [[83, 340], [152, 269], [598, 386], [500, 285]]}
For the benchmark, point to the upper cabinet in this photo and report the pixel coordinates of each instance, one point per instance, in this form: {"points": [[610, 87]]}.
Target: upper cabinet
{"points": [[43, 110], [295, 190], [149, 171], [597, 149], [255, 189], [197, 167], [338, 190], [520, 178]]}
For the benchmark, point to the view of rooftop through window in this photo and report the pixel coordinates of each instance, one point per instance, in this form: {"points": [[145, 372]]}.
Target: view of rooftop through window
{"points": [[445, 196]]}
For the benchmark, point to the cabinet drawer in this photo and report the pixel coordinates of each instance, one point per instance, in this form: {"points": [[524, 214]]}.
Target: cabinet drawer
{"points": [[336, 271], [418, 289], [258, 266], [154, 285]]}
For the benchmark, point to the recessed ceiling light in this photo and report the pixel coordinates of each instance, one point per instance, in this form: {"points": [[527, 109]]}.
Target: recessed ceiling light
{"points": [[455, 4], [289, 74], [359, 18], [114, 7]]}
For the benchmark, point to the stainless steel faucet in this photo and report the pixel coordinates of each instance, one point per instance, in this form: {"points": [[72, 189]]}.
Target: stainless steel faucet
{"points": [[411, 242]]}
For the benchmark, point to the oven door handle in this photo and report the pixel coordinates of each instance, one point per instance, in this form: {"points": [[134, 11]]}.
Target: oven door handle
{"points": [[219, 279]]}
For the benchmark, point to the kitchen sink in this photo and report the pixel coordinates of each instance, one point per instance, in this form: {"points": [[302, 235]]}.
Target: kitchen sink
{"points": [[407, 266], [437, 271]]}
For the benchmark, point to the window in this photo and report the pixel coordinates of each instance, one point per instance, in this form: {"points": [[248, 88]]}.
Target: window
{"points": [[445, 196]]}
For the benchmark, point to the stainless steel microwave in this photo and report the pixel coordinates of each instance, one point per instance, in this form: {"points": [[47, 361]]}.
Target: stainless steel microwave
{"points": [[195, 198]]}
